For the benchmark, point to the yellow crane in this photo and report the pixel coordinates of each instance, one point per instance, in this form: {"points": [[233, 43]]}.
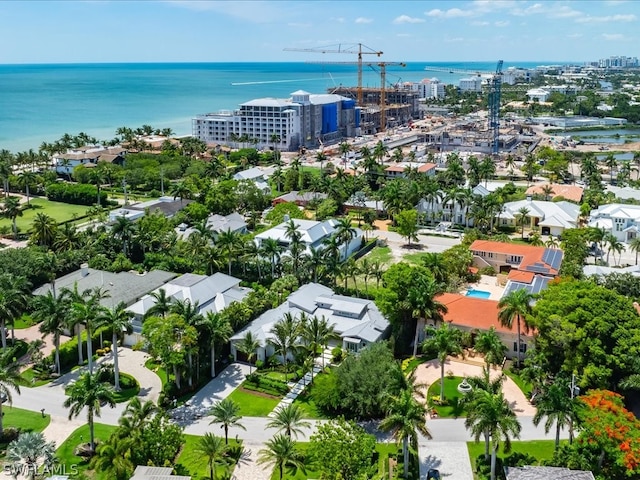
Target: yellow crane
{"points": [[383, 91], [349, 48]]}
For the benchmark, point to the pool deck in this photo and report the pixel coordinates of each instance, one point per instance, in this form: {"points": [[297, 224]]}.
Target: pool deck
{"points": [[487, 284]]}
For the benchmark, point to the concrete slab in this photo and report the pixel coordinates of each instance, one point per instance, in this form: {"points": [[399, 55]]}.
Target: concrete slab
{"points": [[450, 458]]}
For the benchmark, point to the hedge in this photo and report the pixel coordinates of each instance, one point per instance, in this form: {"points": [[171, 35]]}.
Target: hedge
{"points": [[263, 384], [69, 350], [75, 193]]}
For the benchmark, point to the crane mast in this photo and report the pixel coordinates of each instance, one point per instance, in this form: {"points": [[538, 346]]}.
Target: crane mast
{"points": [[495, 93]]}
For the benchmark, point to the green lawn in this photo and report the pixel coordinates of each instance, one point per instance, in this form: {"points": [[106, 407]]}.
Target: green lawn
{"points": [[307, 404], [196, 463], [24, 321], [253, 404], [525, 386], [540, 449], [29, 378], [451, 395], [379, 254], [81, 435], [59, 211], [127, 394], [415, 258], [156, 367]]}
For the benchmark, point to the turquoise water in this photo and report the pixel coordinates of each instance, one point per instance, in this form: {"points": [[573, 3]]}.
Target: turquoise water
{"points": [[42, 102], [478, 293], [614, 136]]}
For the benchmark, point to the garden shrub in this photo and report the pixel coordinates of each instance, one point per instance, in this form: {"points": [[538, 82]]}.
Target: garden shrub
{"points": [[264, 384], [337, 354], [75, 193]]}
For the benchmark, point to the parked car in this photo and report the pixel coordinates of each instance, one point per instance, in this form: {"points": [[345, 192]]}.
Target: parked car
{"points": [[433, 474]]}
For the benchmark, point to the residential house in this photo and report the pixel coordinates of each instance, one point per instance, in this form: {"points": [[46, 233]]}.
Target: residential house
{"points": [[168, 206], [573, 193], [156, 473], [301, 199], [258, 175], [357, 321], [526, 266], [474, 315], [399, 170], [64, 163], [212, 294], [530, 472], [313, 235], [600, 270], [552, 217], [621, 220], [234, 222], [624, 193]]}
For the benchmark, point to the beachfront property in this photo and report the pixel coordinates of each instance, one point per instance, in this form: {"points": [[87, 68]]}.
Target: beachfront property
{"points": [[551, 217], [303, 120], [234, 222], [89, 156], [313, 234], [211, 293], [621, 220], [401, 169], [357, 321], [168, 206], [258, 175], [429, 88]]}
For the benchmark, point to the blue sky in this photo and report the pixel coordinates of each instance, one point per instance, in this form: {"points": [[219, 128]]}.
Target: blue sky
{"points": [[218, 31]]}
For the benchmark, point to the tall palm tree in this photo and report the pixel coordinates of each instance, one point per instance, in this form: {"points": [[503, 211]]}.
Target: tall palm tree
{"points": [[249, 346], [219, 330], [516, 305], [113, 458], [285, 335], [271, 249], [118, 320], [85, 310], [13, 300], [489, 343], [123, 229], [555, 403], [162, 305], [227, 413], [345, 233], [135, 416], [521, 216], [87, 392], [229, 243], [489, 415], [26, 179], [9, 380], [422, 300], [634, 246], [51, 312], [405, 418], [446, 340], [281, 452], [289, 419], [12, 211], [190, 312], [31, 450], [214, 450]]}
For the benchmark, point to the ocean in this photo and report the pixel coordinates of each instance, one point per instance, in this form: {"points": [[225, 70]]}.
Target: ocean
{"points": [[42, 102]]}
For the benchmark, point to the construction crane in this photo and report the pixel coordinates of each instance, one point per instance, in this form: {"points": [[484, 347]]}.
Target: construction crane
{"points": [[353, 49]]}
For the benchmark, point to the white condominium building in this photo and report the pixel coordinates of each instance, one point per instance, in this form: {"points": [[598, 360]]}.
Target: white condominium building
{"points": [[305, 119]]}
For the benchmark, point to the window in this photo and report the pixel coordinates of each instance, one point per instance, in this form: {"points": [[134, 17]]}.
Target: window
{"points": [[523, 347]]}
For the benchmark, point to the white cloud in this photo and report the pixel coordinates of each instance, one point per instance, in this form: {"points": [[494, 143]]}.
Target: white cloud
{"points": [[364, 20], [479, 23], [407, 19], [613, 36], [502, 23], [451, 13], [564, 12], [550, 10], [608, 18], [340, 19]]}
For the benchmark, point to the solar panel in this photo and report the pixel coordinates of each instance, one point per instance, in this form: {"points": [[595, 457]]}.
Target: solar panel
{"points": [[537, 268], [552, 257]]}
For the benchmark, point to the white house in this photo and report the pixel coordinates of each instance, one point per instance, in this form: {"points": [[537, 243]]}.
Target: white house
{"points": [[234, 222], [313, 234], [87, 155], [471, 84], [258, 175], [623, 221], [212, 294], [552, 217], [357, 321], [538, 95]]}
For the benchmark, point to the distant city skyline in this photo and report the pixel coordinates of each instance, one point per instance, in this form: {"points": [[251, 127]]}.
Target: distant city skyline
{"points": [[253, 31]]}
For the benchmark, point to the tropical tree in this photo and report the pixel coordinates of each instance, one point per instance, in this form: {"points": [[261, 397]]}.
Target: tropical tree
{"points": [[43, 231], [249, 346], [12, 211], [445, 340], [85, 310], [489, 415], [29, 451], [285, 334], [89, 393], [521, 217], [161, 306], [25, 179], [272, 249], [113, 458], [516, 305], [51, 312], [123, 229], [289, 418], [13, 300], [118, 320], [9, 380], [634, 246], [229, 243], [281, 452], [214, 450], [220, 331], [421, 297], [489, 344], [227, 413], [405, 418], [556, 405]]}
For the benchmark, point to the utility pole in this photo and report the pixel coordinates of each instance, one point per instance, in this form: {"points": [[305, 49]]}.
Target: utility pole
{"points": [[124, 188], [162, 181]]}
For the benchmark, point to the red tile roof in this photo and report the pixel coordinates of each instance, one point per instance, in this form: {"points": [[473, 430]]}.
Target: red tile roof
{"points": [[529, 254], [570, 192], [394, 168], [472, 312], [521, 276], [427, 167]]}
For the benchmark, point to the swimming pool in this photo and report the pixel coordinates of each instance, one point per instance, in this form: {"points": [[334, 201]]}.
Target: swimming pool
{"points": [[478, 293]]}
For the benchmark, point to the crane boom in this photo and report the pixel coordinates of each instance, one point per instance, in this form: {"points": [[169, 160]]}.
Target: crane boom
{"points": [[350, 48]]}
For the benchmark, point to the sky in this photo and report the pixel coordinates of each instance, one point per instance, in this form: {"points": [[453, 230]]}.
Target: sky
{"points": [[243, 31]]}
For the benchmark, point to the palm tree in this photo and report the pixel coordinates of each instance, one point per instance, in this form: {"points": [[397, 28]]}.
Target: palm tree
{"points": [[289, 418], [213, 449], [446, 340], [249, 345], [281, 452], [516, 304], [13, 300], [489, 415], [135, 416], [43, 230], [12, 211], [547, 191], [227, 413], [181, 190], [124, 229], [161, 306], [405, 419], [118, 320], [26, 179], [634, 246], [51, 312], [113, 458], [345, 233], [421, 297], [85, 311], [489, 344], [285, 333], [271, 248], [229, 243], [555, 403], [9, 380], [220, 331], [31, 450], [521, 216], [87, 392]]}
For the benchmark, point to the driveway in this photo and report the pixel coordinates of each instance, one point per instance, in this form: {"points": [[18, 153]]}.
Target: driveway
{"points": [[428, 243], [450, 458]]}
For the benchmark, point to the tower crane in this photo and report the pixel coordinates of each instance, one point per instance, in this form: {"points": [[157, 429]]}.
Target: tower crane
{"points": [[353, 49]]}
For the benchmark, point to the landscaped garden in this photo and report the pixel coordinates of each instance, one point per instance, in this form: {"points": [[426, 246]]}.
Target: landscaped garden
{"points": [[66, 452], [534, 452], [59, 211], [22, 421], [253, 403], [452, 406]]}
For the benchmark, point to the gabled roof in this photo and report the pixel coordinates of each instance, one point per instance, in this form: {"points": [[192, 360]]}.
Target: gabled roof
{"points": [[539, 260], [471, 312], [566, 212], [570, 192], [312, 231]]}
